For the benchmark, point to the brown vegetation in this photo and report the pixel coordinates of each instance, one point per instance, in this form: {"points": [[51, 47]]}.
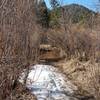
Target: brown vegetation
{"points": [[85, 75], [21, 93], [76, 39], [19, 46], [81, 43], [17, 43]]}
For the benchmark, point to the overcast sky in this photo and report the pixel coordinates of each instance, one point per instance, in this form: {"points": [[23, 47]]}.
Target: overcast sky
{"points": [[91, 4]]}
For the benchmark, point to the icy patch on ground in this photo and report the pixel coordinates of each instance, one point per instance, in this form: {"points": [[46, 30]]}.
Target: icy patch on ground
{"points": [[47, 83]]}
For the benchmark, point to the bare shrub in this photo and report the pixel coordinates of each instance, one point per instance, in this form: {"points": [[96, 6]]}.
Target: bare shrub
{"points": [[77, 45], [17, 43]]}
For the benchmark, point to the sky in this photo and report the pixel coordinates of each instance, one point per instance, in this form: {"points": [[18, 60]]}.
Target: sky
{"points": [[91, 4]]}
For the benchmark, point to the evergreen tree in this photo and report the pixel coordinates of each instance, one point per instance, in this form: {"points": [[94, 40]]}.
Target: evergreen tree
{"points": [[42, 14], [55, 13]]}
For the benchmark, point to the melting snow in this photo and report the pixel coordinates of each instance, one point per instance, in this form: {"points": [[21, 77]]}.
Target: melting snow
{"points": [[47, 83]]}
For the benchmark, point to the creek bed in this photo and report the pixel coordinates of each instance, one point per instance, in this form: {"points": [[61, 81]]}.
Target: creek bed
{"points": [[48, 83]]}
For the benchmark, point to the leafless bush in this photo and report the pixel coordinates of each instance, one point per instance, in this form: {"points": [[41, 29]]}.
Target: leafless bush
{"points": [[77, 45], [17, 43]]}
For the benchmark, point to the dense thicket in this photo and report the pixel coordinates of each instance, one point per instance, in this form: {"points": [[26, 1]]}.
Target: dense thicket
{"points": [[18, 36]]}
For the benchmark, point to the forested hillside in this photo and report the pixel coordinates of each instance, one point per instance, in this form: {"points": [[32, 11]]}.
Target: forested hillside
{"points": [[79, 13]]}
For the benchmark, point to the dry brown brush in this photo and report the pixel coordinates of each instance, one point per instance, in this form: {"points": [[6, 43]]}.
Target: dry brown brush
{"points": [[78, 40], [18, 36]]}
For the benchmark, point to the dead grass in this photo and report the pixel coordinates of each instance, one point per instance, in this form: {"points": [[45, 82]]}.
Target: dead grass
{"points": [[86, 75]]}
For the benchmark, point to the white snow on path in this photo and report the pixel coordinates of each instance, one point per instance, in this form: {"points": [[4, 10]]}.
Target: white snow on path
{"points": [[47, 83]]}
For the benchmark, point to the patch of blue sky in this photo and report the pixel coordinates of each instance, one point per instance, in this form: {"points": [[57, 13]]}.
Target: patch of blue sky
{"points": [[90, 4]]}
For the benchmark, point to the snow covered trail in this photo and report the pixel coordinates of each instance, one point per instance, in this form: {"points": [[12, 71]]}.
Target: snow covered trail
{"points": [[47, 83]]}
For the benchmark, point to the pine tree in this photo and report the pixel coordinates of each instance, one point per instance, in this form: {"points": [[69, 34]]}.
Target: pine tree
{"points": [[55, 14], [42, 14]]}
